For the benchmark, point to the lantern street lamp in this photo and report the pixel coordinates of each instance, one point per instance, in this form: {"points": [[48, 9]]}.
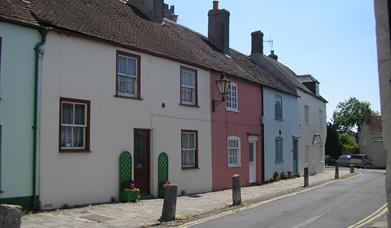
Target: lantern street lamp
{"points": [[222, 85]]}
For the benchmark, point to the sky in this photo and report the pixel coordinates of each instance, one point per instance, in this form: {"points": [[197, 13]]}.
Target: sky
{"points": [[333, 40]]}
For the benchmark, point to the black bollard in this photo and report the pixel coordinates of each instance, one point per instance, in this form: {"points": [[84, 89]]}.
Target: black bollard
{"points": [[236, 195], [351, 169], [336, 171], [306, 177], [169, 205]]}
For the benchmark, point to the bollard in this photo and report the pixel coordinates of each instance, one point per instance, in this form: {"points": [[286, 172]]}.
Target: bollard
{"points": [[336, 171], [306, 177], [10, 216], [351, 169], [236, 195], [169, 205]]}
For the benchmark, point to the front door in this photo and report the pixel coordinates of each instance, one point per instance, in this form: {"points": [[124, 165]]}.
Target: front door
{"points": [[295, 148], [142, 160], [252, 162]]}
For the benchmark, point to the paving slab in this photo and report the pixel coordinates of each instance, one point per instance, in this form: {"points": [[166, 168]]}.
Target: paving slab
{"points": [[147, 212]]}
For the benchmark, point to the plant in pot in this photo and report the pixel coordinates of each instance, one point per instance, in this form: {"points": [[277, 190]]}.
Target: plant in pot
{"points": [[162, 188], [129, 192]]}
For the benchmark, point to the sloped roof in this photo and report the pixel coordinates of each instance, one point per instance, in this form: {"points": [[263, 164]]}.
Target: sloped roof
{"points": [[115, 21], [16, 10]]}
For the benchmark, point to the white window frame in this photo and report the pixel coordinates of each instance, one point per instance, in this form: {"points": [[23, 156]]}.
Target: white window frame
{"points": [[279, 159], [232, 101], [278, 98], [187, 150], [193, 88], [85, 126], [126, 75], [232, 148], [306, 113]]}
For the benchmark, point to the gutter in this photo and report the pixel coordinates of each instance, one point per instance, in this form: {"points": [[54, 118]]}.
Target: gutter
{"points": [[37, 49]]}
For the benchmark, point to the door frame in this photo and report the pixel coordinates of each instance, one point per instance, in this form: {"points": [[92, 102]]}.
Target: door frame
{"points": [[147, 158], [253, 139], [295, 140]]}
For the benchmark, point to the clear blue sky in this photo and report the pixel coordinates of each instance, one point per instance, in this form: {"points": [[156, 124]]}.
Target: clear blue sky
{"points": [[333, 40]]}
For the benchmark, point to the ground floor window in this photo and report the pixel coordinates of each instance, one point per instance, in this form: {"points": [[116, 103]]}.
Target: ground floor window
{"points": [[233, 151], [74, 125], [279, 150], [189, 149]]}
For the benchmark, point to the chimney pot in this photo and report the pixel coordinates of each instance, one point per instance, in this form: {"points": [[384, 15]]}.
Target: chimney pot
{"points": [[215, 5], [273, 56], [257, 42]]}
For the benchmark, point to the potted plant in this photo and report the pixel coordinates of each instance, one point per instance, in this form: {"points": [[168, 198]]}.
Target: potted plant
{"points": [[162, 188], [129, 192]]}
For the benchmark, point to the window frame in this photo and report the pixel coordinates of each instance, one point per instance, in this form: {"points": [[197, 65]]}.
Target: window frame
{"points": [[195, 72], [137, 95], [230, 109], [239, 152], [87, 103], [195, 132], [278, 98], [306, 114], [277, 159]]}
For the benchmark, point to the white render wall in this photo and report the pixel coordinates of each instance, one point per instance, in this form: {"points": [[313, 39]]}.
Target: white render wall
{"points": [[84, 69], [308, 130], [288, 126]]}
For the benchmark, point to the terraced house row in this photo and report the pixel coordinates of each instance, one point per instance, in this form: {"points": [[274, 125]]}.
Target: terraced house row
{"points": [[83, 81]]}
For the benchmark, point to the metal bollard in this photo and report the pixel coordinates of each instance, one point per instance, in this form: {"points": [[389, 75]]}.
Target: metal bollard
{"points": [[336, 171], [351, 169], [306, 176], [10, 216], [169, 205], [236, 195]]}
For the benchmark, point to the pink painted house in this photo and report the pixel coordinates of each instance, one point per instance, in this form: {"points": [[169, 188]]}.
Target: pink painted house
{"points": [[236, 134]]}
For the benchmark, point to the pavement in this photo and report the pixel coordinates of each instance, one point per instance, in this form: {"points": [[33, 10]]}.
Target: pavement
{"points": [[147, 212], [348, 203]]}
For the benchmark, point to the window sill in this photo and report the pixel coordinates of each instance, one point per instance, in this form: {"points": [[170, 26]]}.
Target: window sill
{"points": [[189, 105], [190, 168], [74, 151], [126, 97], [230, 110], [279, 119], [234, 166]]}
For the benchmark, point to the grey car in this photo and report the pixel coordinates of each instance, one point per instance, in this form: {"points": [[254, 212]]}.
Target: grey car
{"points": [[344, 160], [361, 161]]}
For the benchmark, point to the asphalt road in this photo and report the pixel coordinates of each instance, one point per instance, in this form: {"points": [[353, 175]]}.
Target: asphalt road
{"points": [[339, 204]]}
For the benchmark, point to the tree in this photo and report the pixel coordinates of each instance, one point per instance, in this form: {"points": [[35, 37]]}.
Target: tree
{"points": [[350, 115], [333, 145], [348, 146]]}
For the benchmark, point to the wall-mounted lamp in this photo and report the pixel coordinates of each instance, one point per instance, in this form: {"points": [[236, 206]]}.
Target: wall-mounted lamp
{"points": [[222, 85], [317, 140]]}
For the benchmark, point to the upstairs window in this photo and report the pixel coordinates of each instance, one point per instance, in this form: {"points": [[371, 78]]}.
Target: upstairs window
{"points": [[232, 97], [74, 125], [306, 114], [278, 107], [279, 150], [233, 151], [188, 86], [128, 75]]}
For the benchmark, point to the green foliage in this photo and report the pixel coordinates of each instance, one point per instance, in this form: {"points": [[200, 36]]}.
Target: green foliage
{"points": [[333, 145], [348, 145], [350, 115]]}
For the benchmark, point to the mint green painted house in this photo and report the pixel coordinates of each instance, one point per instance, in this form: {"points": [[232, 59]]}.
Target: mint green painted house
{"points": [[18, 37]]}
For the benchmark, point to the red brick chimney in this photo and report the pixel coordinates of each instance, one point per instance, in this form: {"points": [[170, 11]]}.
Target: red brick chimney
{"points": [[218, 27]]}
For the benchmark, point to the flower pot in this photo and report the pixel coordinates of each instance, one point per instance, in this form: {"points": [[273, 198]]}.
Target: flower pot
{"points": [[129, 195]]}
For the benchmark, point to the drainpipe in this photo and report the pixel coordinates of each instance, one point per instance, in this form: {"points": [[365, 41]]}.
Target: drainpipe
{"points": [[43, 32]]}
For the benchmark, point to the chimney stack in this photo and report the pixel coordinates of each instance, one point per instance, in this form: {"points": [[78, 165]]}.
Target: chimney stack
{"points": [[169, 13], [218, 27], [153, 9], [257, 42], [273, 56]]}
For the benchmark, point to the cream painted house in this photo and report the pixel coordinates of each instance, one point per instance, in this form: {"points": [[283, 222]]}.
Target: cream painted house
{"points": [[312, 122], [79, 76]]}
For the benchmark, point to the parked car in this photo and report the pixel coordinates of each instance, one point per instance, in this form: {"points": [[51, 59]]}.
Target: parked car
{"points": [[329, 160], [344, 160], [361, 161]]}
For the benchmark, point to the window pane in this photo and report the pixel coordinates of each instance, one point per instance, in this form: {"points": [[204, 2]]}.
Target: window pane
{"points": [[80, 114], [66, 136], [121, 84], [78, 136], [132, 67], [129, 85], [191, 141], [67, 113], [188, 79], [121, 64], [184, 141]]}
